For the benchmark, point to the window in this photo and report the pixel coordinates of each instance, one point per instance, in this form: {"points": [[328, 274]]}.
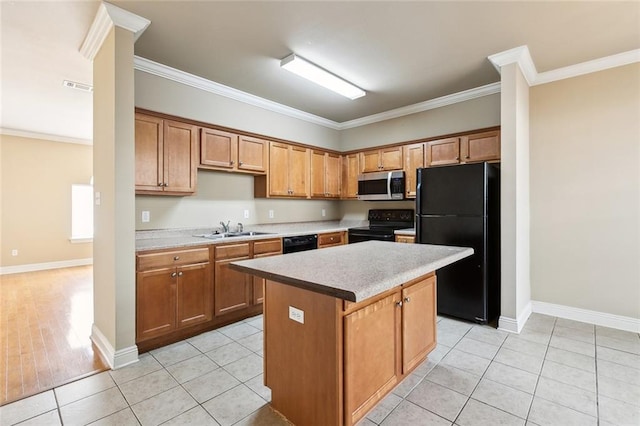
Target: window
{"points": [[81, 212]]}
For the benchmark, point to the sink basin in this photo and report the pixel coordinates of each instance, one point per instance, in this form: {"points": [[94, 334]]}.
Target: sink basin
{"points": [[213, 236]]}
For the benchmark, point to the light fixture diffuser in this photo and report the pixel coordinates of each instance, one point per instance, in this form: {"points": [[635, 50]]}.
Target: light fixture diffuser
{"points": [[311, 72]]}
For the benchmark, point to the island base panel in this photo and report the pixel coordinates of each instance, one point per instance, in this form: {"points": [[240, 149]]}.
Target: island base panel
{"points": [[303, 361]]}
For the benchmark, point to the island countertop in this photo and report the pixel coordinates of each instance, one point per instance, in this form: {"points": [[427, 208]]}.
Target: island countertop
{"points": [[354, 272]]}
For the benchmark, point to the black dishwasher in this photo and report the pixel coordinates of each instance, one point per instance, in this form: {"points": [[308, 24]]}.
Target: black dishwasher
{"points": [[299, 243]]}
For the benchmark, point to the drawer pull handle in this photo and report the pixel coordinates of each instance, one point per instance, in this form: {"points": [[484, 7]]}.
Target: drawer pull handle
{"points": [[176, 258], [180, 273], [173, 275]]}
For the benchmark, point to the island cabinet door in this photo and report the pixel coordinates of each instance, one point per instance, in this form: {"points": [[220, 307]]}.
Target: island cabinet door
{"points": [[418, 322], [371, 342]]}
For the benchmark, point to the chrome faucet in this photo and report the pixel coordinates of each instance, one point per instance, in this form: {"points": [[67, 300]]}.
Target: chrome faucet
{"points": [[225, 228], [240, 228]]}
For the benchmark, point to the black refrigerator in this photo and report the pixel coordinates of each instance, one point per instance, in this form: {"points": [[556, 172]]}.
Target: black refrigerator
{"points": [[460, 206]]}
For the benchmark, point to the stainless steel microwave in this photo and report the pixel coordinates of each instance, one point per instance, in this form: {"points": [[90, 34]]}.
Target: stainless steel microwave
{"points": [[381, 186]]}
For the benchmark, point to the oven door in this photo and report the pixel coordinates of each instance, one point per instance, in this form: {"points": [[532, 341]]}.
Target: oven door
{"points": [[360, 236]]}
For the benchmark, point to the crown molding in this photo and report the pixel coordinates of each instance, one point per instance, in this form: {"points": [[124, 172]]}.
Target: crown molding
{"points": [[601, 64], [173, 74], [519, 55], [43, 136], [522, 57], [106, 18], [442, 101]]}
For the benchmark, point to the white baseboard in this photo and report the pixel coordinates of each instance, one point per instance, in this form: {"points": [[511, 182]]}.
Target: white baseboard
{"points": [[42, 266], [514, 325], [584, 315], [115, 359]]}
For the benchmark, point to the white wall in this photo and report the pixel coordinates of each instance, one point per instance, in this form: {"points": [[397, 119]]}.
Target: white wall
{"points": [[585, 192]]}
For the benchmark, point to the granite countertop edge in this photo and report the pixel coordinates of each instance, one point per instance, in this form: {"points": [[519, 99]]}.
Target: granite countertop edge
{"points": [[406, 231], [166, 239]]}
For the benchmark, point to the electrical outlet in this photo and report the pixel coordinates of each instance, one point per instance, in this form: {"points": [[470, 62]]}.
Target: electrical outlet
{"points": [[270, 214], [146, 216], [324, 212], [14, 252], [296, 314], [246, 214], [98, 198]]}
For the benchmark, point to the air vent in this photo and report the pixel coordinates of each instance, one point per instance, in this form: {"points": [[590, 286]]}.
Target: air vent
{"points": [[79, 86]]}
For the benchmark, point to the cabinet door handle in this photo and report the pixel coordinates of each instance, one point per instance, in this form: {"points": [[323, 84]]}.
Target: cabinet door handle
{"points": [[160, 184], [180, 273], [165, 185], [176, 258], [399, 303], [231, 163], [239, 163], [173, 275], [406, 299]]}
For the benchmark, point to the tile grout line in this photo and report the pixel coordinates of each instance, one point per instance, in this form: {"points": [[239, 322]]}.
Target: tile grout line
{"points": [[544, 359]]}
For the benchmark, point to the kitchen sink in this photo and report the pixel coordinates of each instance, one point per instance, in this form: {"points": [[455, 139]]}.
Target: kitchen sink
{"points": [[213, 236]]}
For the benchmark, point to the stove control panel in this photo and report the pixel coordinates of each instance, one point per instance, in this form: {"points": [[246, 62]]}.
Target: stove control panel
{"points": [[391, 216]]}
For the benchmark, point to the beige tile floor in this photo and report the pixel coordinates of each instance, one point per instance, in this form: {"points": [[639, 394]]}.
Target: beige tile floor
{"points": [[556, 372]]}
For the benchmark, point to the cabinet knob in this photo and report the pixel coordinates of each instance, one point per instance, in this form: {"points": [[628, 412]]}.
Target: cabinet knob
{"points": [[173, 275], [160, 184], [406, 299], [180, 273], [240, 163], [231, 163], [165, 185], [458, 158], [176, 258], [467, 157], [399, 303]]}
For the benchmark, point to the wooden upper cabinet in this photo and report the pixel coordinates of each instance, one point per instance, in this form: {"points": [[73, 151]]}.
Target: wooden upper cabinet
{"points": [[165, 156], [381, 159], [480, 147], [288, 172], [253, 154], [220, 150], [442, 151], [413, 159], [325, 174], [350, 171]]}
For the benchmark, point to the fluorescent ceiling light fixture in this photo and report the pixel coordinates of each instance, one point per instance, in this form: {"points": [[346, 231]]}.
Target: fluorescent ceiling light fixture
{"points": [[312, 72]]}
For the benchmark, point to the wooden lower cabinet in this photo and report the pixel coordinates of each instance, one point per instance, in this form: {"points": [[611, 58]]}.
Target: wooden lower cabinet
{"points": [[409, 239], [330, 239], [235, 290], [345, 357], [173, 290]]}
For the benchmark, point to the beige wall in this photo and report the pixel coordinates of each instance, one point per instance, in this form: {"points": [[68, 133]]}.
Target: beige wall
{"points": [[36, 199], [224, 196], [585, 192], [469, 115]]}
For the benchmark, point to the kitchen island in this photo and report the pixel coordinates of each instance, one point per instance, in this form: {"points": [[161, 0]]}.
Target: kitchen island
{"points": [[343, 326]]}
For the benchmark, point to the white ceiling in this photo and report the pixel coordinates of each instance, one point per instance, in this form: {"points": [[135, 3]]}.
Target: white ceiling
{"points": [[401, 53]]}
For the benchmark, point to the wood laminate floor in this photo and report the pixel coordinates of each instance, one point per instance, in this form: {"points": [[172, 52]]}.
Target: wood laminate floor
{"points": [[45, 328]]}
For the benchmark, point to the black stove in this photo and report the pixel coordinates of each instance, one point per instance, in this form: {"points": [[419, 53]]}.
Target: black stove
{"points": [[382, 224]]}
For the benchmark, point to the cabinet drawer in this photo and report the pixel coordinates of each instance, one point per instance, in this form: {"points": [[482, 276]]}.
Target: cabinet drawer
{"points": [[330, 239], [172, 258], [267, 246], [232, 251]]}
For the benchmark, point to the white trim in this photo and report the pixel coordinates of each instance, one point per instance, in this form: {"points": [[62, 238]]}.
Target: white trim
{"points": [[442, 101], [80, 240], [106, 18], [43, 266], [173, 74], [584, 315], [519, 55], [43, 136], [522, 57], [515, 325], [115, 359], [589, 67]]}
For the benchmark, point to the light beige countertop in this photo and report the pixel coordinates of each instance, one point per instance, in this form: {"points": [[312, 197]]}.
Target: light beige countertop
{"points": [[354, 272], [406, 231], [177, 238]]}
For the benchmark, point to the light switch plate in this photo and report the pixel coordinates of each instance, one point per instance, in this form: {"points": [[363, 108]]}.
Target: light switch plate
{"points": [[246, 214], [145, 216], [296, 314], [270, 214]]}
